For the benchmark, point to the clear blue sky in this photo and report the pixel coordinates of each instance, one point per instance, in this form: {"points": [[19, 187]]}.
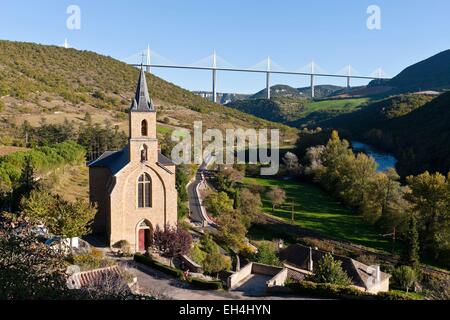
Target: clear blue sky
{"points": [[243, 32]]}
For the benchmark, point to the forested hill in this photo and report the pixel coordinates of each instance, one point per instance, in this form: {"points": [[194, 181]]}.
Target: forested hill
{"points": [[41, 79], [430, 74], [415, 127]]}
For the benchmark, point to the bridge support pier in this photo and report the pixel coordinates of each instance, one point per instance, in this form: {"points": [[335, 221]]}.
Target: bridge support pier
{"points": [[348, 82], [214, 92], [268, 85], [312, 87]]}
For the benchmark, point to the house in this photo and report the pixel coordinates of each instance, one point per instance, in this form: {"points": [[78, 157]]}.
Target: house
{"points": [[302, 261], [134, 188], [111, 276]]}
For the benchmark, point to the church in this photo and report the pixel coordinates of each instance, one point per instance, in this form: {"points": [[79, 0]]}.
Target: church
{"points": [[134, 188]]}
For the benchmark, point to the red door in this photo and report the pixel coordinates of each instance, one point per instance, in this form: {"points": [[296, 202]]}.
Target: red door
{"points": [[141, 239]]}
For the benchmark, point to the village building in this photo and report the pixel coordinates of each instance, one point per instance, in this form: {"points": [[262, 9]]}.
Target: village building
{"points": [[134, 188], [302, 261]]}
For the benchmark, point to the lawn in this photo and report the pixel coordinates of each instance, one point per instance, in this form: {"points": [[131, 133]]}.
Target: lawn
{"points": [[316, 210]]}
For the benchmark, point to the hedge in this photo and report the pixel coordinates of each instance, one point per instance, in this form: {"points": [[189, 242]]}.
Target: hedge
{"points": [[205, 284], [138, 257], [197, 282], [325, 290]]}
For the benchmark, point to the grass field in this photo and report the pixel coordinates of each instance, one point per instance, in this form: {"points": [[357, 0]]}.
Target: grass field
{"points": [[338, 104], [317, 211], [71, 182]]}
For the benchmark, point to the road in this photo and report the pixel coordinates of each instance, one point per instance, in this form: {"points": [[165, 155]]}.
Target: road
{"points": [[196, 214], [194, 201], [162, 286]]}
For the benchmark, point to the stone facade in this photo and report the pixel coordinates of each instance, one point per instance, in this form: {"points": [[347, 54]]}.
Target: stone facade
{"points": [[114, 176]]}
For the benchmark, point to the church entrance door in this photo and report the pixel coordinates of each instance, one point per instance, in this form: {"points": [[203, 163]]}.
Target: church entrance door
{"points": [[141, 239], [145, 236]]}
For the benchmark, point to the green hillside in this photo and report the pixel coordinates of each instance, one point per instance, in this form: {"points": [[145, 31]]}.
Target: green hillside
{"points": [[298, 112], [430, 74], [54, 82], [416, 128], [321, 91]]}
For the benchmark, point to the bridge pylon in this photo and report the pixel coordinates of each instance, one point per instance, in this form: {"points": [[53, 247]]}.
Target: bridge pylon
{"points": [[312, 80], [268, 79], [214, 66]]}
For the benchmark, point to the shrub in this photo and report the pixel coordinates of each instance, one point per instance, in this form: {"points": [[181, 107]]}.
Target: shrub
{"points": [[405, 277], [124, 247], [91, 260], [267, 255], [197, 254]]}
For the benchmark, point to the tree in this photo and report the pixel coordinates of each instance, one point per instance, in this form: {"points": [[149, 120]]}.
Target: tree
{"points": [[172, 241], [181, 181], [28, 268], [412, 244], [107, 285], [250, 204], [267, 255], [405, 276], [227, 177], [232, 230], [277, 196], [330, 271], [430, 197], [63, 218], [213, 261], [26, 183], [290, 160], [217, 202]]}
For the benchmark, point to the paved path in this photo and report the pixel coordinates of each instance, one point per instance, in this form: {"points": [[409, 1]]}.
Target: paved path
{"points": [[162, 286]]}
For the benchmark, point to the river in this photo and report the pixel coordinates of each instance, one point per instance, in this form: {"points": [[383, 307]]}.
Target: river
{"points": [[384, 160]]}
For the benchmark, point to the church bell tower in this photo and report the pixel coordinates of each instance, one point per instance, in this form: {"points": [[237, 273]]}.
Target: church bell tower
{"points": [[142, 116]]}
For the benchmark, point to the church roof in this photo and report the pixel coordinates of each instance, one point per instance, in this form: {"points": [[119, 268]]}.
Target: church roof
{"points": [[113, 160], [142, 101], [116, 160], [162, 159]]}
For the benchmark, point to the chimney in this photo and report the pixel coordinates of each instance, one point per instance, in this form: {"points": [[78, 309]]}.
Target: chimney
{"points": [[310, 264], [377, 273]]}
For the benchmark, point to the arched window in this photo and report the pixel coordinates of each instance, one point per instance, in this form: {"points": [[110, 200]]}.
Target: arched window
{"points": [[144, 191], [144, 128], [144, 153]]}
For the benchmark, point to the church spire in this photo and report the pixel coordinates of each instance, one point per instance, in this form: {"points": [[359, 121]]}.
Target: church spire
{"points": [[142, 101]]}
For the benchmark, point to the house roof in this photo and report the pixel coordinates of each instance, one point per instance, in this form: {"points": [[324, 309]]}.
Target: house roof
{"points": [[362, 275], [91, 277], [142, 101], [116, 160]]}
